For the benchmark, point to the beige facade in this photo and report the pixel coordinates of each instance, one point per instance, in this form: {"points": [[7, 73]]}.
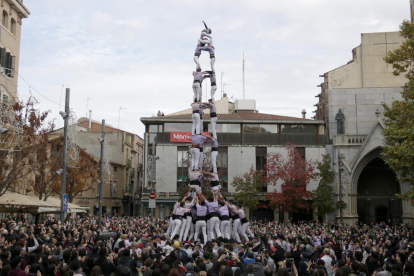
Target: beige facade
{"points": [[12, 14], [359, 89], [125, 153]]}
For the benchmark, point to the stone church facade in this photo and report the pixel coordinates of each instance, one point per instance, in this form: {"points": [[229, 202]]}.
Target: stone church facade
{"points": [[359, 88]]}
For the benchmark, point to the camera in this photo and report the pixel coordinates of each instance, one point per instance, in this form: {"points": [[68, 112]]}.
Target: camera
{"points": [[138, 264], [289, 260]]}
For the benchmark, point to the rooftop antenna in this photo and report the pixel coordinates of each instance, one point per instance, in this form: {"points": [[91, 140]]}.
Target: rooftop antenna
{"points": [[224, 84], [119, 117], [87, 106], [222, 73], [244, 91]]}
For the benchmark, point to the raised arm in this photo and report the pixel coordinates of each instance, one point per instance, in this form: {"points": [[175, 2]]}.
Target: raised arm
{"points": [[205, 25]]}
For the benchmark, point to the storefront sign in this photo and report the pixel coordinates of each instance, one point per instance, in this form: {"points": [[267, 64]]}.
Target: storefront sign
{"points": [[262, 206], [182, 137]]}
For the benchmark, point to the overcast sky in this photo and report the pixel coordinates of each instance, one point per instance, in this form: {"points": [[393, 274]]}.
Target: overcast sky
{"points": [[139, 54]]}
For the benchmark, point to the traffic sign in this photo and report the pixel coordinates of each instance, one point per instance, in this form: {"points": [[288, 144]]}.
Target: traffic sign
{"points": [[65, 203], [152, 196], [151, 203]]}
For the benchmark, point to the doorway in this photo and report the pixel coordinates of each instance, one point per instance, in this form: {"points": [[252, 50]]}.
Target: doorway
{"points": [[381, 213]]}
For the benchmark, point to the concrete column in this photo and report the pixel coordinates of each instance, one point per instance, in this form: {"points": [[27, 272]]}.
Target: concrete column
{"points": [[286, 216], [157, 211], [315, 214], [247, 212], [276, 214]]}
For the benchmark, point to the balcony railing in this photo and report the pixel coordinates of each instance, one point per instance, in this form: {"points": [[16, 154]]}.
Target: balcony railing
{"points": [[345, 139]]}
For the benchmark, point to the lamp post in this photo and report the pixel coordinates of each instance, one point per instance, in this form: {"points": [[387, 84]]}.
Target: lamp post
{"points": [[340, 186]]}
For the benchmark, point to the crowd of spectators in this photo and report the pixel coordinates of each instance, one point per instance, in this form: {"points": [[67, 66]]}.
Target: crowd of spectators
{"points": [[136, 246]]}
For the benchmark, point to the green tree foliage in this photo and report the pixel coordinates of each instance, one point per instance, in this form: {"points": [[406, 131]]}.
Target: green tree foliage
{"points": [[399, 116], [322, 196], [247, 187]]}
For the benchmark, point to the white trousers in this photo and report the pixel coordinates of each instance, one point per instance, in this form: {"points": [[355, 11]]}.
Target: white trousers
{"points": [[208, 230], [225, 228], [213, 91], [192, 231], [200, 160], [197, 91], [201, 227], [187, 227], [213, 160], [195, 155], [236, 224], [244, 229], [201, 126], [195, 129], [177, 226], [215, 227], [169, 230], [215, 188], [197, 61], [197, 187], [212, 60], [213, 122]]}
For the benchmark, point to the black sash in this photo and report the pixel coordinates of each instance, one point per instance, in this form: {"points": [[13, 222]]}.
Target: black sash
{"points": [[224, 218], [214, 183], [244, 220], [214, 149], [212, 115], [195, 182]]}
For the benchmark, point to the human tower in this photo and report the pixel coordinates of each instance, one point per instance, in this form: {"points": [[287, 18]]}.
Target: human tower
{"points": [[196, 216]]}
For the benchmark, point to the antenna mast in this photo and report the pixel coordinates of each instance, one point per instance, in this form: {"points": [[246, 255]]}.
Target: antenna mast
{"points": [[244, 91]]}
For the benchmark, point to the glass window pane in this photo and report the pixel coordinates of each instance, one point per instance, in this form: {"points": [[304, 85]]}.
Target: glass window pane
{"points": [[230, 128], [265, 128], [160, 127], [251, 128], [299, 129], [153, 128], [218, 128], [152, 138], [177, 127], [180, 158]]}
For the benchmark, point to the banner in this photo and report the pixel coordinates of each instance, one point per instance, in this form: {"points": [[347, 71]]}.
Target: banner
{"points": [[182, 137]]}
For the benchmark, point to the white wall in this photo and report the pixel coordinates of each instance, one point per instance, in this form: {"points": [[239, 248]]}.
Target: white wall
{"points": [[240, 160], [166, 169], [314, 154]]}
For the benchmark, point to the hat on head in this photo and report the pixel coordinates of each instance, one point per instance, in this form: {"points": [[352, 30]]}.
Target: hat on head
{"points": [[272, 249], [158, 239], [145, 236], [189, 266], [176, 245], [140, 245]]}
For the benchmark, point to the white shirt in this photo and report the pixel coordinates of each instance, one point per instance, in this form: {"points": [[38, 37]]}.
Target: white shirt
{"points": [[328, 262]]}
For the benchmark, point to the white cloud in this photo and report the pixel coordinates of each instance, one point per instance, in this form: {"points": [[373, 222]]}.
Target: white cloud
{"points": [[139, 54]]}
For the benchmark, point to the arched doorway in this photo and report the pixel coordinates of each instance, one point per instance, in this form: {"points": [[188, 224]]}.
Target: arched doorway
{"points": [[376, 188]]}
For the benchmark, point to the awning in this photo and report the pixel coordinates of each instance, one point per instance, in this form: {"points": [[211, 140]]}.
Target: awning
{"points": [[18, 203], [55, 202]]}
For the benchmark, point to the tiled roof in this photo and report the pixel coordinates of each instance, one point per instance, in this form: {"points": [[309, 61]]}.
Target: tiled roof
{"points": [[238, 116]]}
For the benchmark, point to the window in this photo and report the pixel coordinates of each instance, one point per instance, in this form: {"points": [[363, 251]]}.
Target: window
{"points": [[301, 151], [182, 167], [222, 166], [178, 127], [128, 139], [260, 128], [298, 129], [5, 19], [226, 128], [261, 154], [113, 190], [115, 169], [13, 26], [7, 60], [5, 99]]}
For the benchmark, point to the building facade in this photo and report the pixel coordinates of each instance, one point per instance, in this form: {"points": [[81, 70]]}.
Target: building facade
{"points": [[124, 150], [359, 88], [245, 137], [13, 12]]}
